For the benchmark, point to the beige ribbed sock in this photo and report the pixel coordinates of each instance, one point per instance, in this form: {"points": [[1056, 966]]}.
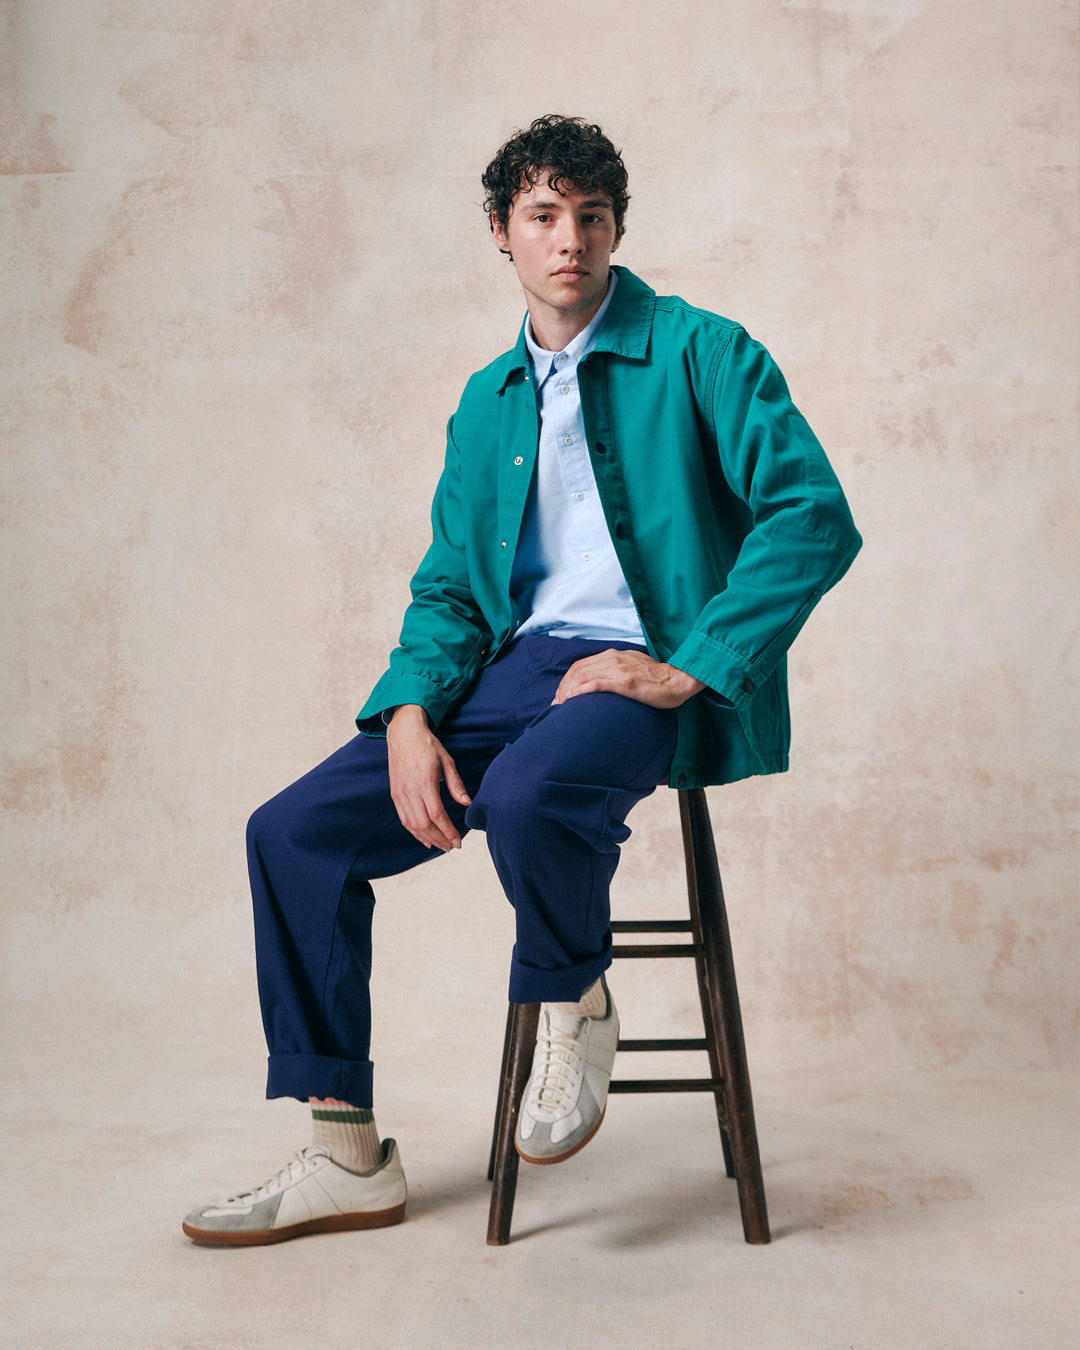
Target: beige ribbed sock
{"points": [[348, 1133], [592, 1003]]}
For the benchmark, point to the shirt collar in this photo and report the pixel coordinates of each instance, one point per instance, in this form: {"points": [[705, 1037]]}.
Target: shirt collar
{"points": [[626, 333], [543, 361]]}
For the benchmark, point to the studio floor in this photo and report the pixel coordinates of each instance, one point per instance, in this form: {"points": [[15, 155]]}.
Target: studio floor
{"points": [[919, 1211]]}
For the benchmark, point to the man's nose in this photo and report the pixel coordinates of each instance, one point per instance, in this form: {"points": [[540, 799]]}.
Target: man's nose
{"points": [[572, 241]]}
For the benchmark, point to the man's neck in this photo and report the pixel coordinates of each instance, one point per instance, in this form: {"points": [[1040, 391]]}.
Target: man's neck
{"points": [[554, 329]]}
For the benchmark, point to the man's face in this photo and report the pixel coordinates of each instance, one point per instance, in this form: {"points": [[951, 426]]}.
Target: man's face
{"points": [[561, 243]]}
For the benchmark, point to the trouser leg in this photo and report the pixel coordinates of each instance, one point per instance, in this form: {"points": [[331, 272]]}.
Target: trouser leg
{"points": [[554, 805], [312, 852]]}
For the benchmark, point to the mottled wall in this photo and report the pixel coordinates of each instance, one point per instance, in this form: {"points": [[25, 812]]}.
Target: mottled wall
{"points": [[244, 278]]}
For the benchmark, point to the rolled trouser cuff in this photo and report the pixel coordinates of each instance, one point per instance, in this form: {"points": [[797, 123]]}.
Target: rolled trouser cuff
{"points": [[321, 1076], [528, 984]]}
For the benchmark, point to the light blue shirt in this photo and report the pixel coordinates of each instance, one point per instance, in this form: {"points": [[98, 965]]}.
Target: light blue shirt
{"points": [[566, 579]]}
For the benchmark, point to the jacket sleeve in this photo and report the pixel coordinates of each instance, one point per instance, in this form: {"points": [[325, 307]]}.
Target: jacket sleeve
{"points": [[443, 635], [802, 538]]}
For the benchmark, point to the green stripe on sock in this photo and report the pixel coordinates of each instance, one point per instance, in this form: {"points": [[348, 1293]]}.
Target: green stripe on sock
{"points": [[359, 1115]]}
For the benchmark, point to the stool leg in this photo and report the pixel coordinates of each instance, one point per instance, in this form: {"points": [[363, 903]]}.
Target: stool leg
{"points": [[712, 1037], [523, 1021], [507, 1041], [712, 1030], [707, 905]]}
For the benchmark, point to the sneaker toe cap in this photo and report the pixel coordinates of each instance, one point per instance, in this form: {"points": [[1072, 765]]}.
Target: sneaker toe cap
{"points": [[224, 1217]]}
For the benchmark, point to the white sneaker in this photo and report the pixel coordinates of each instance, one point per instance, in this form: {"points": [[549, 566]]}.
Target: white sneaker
{"points": [[565, 1100], [311, 1194]]}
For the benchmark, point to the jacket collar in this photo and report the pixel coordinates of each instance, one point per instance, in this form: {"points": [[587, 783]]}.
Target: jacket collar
{"points": [[625, 332]]}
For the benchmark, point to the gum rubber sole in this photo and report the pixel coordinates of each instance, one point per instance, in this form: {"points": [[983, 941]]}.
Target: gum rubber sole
{"points": [[330, 1223]]}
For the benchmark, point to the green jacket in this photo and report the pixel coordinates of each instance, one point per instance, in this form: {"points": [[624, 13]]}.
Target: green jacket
{"points": [[725, 514]]}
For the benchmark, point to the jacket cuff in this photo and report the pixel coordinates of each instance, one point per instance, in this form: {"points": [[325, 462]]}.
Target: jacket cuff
{"points": [[393, 690], [729, 678]]}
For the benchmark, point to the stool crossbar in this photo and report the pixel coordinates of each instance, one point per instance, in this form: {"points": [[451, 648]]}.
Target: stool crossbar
{"points": [[709, 946]]}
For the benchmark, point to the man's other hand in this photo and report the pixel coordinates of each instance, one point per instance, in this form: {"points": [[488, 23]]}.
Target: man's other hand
{"points": [[418, 763], [633, 674]]}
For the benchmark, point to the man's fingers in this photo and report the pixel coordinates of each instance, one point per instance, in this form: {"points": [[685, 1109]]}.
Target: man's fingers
{"points": [[433, 831], [444, 834], [454, 783], [584, 677], [426, 820]]}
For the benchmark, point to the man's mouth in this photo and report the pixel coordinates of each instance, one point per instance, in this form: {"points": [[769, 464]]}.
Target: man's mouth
{"points": [[571, 272]]}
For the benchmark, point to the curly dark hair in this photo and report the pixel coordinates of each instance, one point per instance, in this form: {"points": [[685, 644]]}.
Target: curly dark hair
{"points": [[575, 154]]}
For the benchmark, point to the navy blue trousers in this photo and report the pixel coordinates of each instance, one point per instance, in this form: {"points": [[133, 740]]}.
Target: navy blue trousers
{"points": [[551, 786]]}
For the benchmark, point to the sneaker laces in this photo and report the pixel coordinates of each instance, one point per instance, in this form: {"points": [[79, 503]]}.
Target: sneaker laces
{"points": [[557, 1068], [297, 1165]]}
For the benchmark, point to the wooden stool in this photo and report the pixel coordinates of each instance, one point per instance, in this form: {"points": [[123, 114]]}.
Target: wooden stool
{"points": [[710, 946]]}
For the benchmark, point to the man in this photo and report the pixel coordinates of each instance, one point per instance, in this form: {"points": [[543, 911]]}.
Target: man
{"points": [[632, 525]]}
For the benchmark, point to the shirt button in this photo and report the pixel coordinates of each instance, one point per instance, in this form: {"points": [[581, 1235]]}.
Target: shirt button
{"points": [[518, 460], [564, 388], [586, 556], [580, 496], [568, 440]]}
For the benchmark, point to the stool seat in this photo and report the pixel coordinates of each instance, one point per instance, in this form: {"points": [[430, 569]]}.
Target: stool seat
{"points": [[709, 946]]}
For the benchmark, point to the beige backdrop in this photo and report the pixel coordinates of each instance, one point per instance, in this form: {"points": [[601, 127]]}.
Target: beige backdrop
{"points": [[245, 276]]}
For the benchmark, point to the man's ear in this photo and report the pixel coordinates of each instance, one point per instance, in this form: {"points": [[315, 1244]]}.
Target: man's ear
{"points": [[501, 237], [618, 241]]}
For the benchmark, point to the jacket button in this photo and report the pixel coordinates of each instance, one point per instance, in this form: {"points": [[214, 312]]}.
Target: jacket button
{"points": [[601, 448], [502, 543], [748, 686], [682, 780], [519, 460], [620, 533]]}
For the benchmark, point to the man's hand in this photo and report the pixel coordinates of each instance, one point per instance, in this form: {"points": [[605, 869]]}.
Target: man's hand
{"points": [[635, 675], [419, 762]]}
